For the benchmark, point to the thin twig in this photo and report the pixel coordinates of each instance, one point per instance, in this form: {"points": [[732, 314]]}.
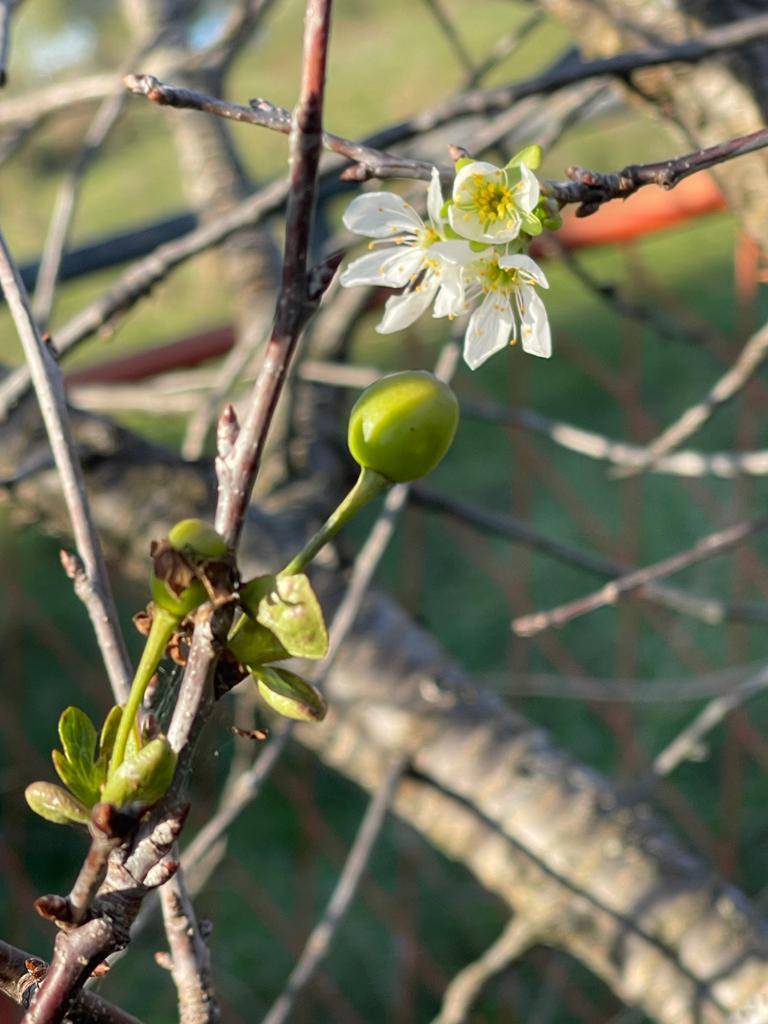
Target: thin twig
{"points": [[319, 942], [706, 609], [733, 380], [265, 114], [504, 48], [713, 544], [67, 196], [239, 27], [95, 591], [688, 742], [451, 34], [464, 990]]}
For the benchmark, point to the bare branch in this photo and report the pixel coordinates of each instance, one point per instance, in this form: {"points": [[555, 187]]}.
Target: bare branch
{"points": [[190, 958], [447, 27], [19, 984], [706, 609], [733, 380], [687, 743], [713, 544], [322, 935], [46, 380], [67, 196], [266, 114], [518, 936]]}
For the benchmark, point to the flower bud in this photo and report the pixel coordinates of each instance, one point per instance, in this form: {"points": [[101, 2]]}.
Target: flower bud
{"points": [[402, 426]]}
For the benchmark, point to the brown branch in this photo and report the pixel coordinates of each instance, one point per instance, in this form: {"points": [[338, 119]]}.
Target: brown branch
{"points": [[721, 39], [46, 379], [709, 546], [465, 988], [320, 939], [19, 984], [190, 957], [706, 609], [265, 114], [456, 43]]}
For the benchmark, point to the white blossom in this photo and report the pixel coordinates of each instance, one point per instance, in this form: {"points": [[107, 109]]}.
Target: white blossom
{"points": [[416, 257], [494, 204], [506, 283]]}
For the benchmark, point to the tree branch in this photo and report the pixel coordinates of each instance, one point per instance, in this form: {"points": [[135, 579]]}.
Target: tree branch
{"points": [[46, 379], [713, 544]]}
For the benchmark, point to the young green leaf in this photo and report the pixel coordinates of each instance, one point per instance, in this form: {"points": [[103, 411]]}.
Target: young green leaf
{"points": [[55, 804], [84, 784], [293, 614], [78, 738], [289, 695], [254, 644]]}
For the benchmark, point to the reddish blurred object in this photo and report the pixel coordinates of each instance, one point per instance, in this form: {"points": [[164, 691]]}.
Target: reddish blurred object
{"points": [[149, 362], [642, 214], [647, 211]]}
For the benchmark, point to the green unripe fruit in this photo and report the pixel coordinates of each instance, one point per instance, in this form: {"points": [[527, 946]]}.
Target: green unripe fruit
{"points": [[195, 538], [402, 426]]}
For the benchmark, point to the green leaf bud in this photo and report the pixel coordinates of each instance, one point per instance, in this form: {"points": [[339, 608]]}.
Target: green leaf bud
{"points": [[402, 426], [55, 804], [289, 695], [142, 778]]}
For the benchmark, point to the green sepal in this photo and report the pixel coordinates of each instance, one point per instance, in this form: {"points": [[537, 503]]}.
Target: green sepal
{"points": [[142, 778], [55, 804], [174, 604], [529, 155], [293, 614], [289, 695], [445, 208], [451, 234], [195, 538], [531, 223], [479, 246], [464, 161]]}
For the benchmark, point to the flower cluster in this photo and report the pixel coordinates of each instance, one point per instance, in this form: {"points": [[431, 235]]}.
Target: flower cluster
{"points": [[470, 248]]}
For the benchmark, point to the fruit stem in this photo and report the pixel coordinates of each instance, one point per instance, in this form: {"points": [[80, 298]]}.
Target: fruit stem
{"points": [[163, 627], [368, 485]]}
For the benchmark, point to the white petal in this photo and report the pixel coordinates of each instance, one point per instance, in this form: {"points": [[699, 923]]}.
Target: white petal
{"points": [[528, 195], [401, 311], [434, 197], [453, 251], [535, 334], [480, 167], [467, 224], [381, 214], [488, 330], [392, 267], [450, 295], [530, 269]]}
